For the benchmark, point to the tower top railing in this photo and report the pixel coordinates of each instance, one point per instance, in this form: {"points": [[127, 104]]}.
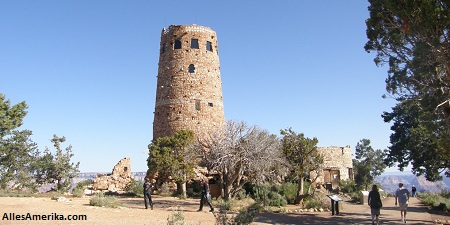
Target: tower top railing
{"points": [[189, 28]]}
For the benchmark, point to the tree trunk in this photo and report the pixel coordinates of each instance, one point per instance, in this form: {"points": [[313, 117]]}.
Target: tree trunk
{"points": [[226, 193], [181, 189], [299, 198]]}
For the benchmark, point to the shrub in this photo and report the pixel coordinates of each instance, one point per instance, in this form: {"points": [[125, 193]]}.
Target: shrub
{"points": [[289, 191], [14, 193], [78, 192], [135, 188], [165, 190], [347, 186], [244, 217], [104, 201], [176, 218], [436, 201]]}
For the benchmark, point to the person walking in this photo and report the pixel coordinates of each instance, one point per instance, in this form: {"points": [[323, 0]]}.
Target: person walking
{"points": [[375, 204], [413, 191], [148, 193], [402, 198], [206, 196]]}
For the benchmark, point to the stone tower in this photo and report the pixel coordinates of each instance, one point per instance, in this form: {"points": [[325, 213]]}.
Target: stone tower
{"points": [[189, 87]]}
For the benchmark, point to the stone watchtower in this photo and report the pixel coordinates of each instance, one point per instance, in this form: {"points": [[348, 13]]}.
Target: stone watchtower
{"points": [[189, 87]]}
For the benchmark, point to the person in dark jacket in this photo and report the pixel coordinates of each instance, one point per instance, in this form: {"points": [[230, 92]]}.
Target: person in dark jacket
{"points": [[413, 191], [148, 193], [375, 204], [206, 196]]}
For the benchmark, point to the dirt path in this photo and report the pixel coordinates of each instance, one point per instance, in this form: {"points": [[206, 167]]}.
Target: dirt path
{"points": [[133, 212]]}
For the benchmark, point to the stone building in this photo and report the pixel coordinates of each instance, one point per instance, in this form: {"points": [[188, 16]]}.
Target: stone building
{"points": [[118, 180], [337, 165], [189, 86]]}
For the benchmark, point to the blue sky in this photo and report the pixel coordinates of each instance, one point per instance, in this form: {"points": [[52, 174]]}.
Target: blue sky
{"points": [[87, 70]]}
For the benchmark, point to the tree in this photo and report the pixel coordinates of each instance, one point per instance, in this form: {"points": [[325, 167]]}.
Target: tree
{"points": [[11, 117], [173, 156], [57, 168], [17, 152], [241, 154], [302, 156], [412, 37], [17, 161], [368, 164]]}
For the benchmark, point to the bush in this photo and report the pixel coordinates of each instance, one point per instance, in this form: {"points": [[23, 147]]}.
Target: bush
{"points": [[289, 191], [135, 188], [269, 195], [176, 218], [347, 186], [104, 201], [436, 201], [245, 217], [165, 190], [14, 193], [78, 192]]}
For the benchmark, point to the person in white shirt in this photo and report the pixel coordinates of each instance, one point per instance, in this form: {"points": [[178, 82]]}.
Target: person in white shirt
{"points": [[402, 197]]}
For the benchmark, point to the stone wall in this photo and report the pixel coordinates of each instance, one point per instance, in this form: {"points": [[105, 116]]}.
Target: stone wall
{"points": [[189, 86], [337, 165], [118, 180]]}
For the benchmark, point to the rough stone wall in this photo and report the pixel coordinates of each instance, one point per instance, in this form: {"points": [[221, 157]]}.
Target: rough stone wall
{"points": [[189, 87], [119, 179], [336, 158]]}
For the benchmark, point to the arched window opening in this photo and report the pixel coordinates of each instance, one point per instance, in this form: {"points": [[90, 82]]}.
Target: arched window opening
{"points": [[191, 68]]}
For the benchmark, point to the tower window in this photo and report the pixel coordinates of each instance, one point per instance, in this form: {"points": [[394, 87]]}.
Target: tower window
{"points": [[177, 44], [209, 46], [163, 48], [194, 43], [210, 104], [191, 68]]}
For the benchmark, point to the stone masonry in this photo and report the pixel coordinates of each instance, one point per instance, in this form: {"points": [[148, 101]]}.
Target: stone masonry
{"points": [[189, 86], [337, 165], [120, 178]]}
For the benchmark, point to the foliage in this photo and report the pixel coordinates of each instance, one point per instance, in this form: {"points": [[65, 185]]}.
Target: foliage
{"points": [[78, 190], [57, 168], [173, 157], [412, 37], [15, 193], [302, 156], [368, 164], [104, 201], [176, 218], [347, 186], [17, 152], [135, 188], [241, 154], [165, 190], [436, 201], [244, 217], [18, 156]]}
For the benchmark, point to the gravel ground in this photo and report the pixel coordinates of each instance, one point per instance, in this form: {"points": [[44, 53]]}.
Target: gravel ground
{"points": [[133, 212]]}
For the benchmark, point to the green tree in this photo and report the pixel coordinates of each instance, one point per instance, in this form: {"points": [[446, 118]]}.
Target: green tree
{"points": [[57, 168], [17, 152], [18, 155], [173, 156], [412, 37], [369, 163], [302, 156], [11, 117], [241, 154]]}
